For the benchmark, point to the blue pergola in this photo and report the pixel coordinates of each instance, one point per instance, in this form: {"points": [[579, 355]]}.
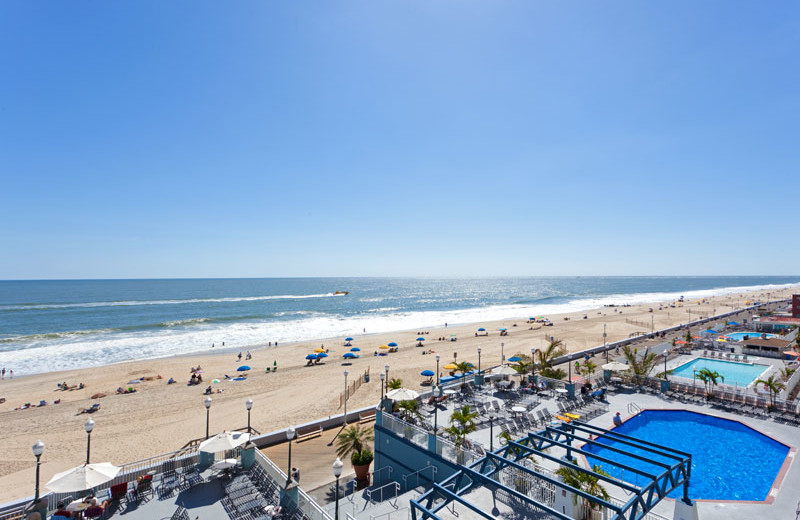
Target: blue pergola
{"points": [[672, 469]]}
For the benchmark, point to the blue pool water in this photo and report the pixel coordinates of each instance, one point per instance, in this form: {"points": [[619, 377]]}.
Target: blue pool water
{"points": [[730, 461], [739, 336], [737, 374]]}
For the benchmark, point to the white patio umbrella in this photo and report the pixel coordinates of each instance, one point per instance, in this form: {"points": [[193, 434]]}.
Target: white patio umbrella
{"points": [[224, 441], [83, 477], [504, 370], [402, 394], [224, 464], [616, 366]]}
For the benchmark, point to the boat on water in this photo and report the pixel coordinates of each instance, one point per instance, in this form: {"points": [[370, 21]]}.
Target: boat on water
{"points": [[341, 293]]}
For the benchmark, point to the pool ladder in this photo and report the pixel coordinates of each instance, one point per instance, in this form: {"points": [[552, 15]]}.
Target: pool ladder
{"points": [[633, 408]]}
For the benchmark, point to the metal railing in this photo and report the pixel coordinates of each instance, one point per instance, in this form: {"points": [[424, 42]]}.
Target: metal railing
{"points": [[393, 485], [408, 431], [416, 474], [375, 474], [305, 503], [403, 512]]}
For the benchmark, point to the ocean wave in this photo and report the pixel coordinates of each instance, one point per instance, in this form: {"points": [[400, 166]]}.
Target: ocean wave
{"points": [[128, 303]]}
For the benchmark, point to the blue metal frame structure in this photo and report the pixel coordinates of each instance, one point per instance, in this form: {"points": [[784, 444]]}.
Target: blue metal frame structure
{"points": [[670, 474]]}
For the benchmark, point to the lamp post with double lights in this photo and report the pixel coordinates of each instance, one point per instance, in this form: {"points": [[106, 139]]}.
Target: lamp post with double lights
{"points": [[38, 449], [88, 426], [386, 369], [437, 369], [207, 404], [289, 435], [337, 472], [479, 360], [248, 404]]}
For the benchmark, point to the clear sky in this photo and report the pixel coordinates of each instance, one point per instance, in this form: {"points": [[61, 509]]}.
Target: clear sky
{"points": [[263, 138]]}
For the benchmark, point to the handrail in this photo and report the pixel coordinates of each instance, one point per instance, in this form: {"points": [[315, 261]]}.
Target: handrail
{"points": [[417, 473], [375, 473], [393, 484], [633, 408]]}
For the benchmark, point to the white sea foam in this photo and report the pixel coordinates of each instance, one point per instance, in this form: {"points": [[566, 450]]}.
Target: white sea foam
{"points": [[127, 303], [45, 353]]}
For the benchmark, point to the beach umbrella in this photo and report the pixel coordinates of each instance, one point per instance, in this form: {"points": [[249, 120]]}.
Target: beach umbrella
{"points": [[450, 366], [502, 328], [515, 359], [322, 355], [213, 381], [721, 339], [239, 379], [311, 356], [733, 323], [83, 477], [427, 373], [402, 394], [355, 349], [319, 349], [481, 329], [243, 368], [504, 370], [349, 355], [420, 338], [680, 342], [616, 366], [224, 441], [348, 339], [384, 347], [392, 344], [224, 464]]}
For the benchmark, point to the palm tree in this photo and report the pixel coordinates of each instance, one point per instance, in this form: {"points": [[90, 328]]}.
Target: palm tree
{"points": [[354, 441], [544, 358], [463, 367], [395, 383], [585, 482], [709, 377], [462, 423], [774, 386], [689, 337], [410, 407], [589, 368], [640, 366], [786, 373]]}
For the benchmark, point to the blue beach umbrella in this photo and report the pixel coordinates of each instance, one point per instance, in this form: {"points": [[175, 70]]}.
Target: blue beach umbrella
{"points": [[392, 344], [348, 339], [515, 359], [349, 355], [239, 379], [243, 368], [322, 355], [502, 328], [311, 356], [427, 373], [733, 323], [420, 338], [481, 329], [355, 349]]}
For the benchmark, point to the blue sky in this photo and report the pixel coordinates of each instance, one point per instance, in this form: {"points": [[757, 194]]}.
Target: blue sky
{"points": [[255, 138]]}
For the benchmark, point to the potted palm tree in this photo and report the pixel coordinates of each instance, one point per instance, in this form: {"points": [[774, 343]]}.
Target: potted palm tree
{"points": [[587, 483], [354, 441], [464, 367], [774, 386], [462, 423], [545, 359]]}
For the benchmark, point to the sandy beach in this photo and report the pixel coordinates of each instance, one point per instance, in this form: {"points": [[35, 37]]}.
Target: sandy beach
{"points": [[159, 418]]}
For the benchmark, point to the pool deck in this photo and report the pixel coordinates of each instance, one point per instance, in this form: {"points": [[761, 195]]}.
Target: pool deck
{"points": [[773, 364]]}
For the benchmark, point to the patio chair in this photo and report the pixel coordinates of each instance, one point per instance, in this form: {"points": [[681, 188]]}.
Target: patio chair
{"points": [[142, 491]]}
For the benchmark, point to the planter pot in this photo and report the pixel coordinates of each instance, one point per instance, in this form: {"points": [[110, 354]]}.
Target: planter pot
{"points": [[362, 472]]}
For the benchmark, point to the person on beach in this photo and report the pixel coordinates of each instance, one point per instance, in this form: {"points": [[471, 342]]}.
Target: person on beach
{"points": [[240, 356], [248, 356]]}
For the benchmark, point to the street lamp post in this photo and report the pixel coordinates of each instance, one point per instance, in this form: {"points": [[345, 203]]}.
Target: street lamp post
{"points": [[386, 368], [38, 449], [503, 351], [289, 435], [337, 471], [533, 362], [248, 404], [605, 344], [345, 397], [665, 365], [694, 379], [207, 403], [88, 426], [479, 360], [491, 432], [435, 411], [383, 378], [437, 369]]}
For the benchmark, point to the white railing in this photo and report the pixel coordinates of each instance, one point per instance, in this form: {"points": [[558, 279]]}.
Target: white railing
{"points": [[416, 474], [305, 503], [408, 431], [392, 486], [648, 516], [790, 385]]}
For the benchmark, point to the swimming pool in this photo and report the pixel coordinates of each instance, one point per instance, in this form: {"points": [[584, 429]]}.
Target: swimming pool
{"points": [[730, 461], [739, 336], [736, 374]]}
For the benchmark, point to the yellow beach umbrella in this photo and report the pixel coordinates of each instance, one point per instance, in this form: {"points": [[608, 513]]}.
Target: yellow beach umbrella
{"points": [[384, 347], [319, 350], [450, 366]]}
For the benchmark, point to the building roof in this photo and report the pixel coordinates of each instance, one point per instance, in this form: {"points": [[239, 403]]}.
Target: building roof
{"points": [[774, 343]]}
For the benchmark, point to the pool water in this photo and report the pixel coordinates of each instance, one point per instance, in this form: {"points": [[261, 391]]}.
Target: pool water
{"points": [[739, 336], [730, 461], [735, 374]]}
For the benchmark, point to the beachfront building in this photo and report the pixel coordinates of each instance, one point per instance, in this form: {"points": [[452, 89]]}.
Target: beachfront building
{"points": [[772, 347]]}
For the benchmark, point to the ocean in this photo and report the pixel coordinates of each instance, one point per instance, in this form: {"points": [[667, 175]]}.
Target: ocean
{"points": [[63, 324]]}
